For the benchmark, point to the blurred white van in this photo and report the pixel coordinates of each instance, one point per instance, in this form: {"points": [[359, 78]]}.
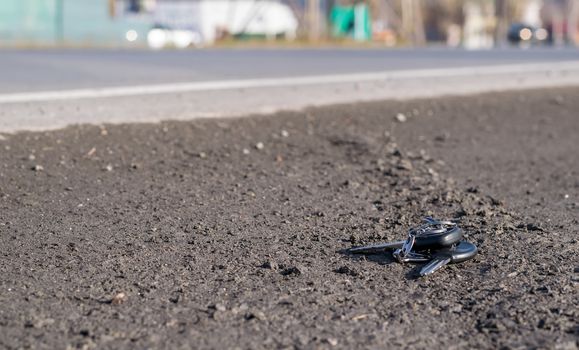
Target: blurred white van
{"points": [[183, 23]]}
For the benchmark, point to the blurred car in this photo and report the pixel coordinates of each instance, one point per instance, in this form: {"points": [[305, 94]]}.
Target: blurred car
{"points": [[160, 37], [522, 34]]}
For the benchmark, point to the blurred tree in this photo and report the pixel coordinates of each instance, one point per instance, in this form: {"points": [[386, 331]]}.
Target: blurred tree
{"points": [[572, 20], [314, 20], [111, 8], [441, 17], [412, 22]]}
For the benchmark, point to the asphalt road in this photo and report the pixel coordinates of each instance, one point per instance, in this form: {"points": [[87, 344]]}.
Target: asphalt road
{"points": [[40, 70]]}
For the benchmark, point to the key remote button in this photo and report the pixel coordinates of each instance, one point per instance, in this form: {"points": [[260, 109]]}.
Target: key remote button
{"points": [[438, 240], [461, 252]]}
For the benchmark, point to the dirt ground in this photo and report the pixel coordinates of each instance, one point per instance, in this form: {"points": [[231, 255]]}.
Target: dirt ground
{"points": [[231, 233]]}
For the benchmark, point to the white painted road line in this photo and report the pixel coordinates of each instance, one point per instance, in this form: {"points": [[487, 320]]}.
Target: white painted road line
{"points": [[137, 90]]}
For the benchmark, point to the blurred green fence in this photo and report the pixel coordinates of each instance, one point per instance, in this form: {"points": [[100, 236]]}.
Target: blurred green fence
{"points": [[80, 22], [29, 20]]}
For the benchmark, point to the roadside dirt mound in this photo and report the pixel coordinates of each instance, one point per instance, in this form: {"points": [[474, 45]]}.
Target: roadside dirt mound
{"points": [[230, 234]]}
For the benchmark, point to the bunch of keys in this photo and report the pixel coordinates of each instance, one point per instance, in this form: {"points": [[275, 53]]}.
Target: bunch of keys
{"points": [[436, 242]]}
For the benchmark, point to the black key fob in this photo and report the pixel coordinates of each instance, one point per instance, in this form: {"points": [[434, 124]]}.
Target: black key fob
{"points": [[452, 255], [437, 237], [462, 252]]}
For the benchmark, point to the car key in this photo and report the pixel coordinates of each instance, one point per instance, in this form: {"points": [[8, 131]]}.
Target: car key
{"points": [[377, 248], [435, 234], [431, 235], [456, 254]]}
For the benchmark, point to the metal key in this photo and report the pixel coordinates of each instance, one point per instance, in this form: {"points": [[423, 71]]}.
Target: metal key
{"points": [[431, 235], [377, 248], [456, 254]]}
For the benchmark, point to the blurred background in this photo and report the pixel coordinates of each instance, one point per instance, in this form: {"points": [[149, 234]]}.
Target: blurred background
{"points": [[183, 24]]}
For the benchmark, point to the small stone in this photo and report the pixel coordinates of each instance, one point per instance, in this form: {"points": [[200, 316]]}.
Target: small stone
{"points": [[332, 341], [91, 152], [245, 151], [541, 324], [405, 164], [38, 168], [401, 118], [346, 271], [558, 100], [220, 307], [44, 322], [272, 265], [256, 314], [472, 189], [175, 298], [442, 137], [202, 155], [171, 323], [483, 212], [293, 271], [119, 299], [532, 226], [284, 133], [220, 315], [432, 173], [354, 238], [461, 212], [457, 309], [392, 148], [241, 308], [496, 202], [259, 146], [566, 196], [108, 168]]}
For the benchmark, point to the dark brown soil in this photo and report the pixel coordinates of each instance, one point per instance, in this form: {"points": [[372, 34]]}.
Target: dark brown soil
{"points": [[230, 233]]}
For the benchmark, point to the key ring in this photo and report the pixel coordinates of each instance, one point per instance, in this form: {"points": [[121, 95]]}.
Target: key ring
{"points": [[436, 242], [431, 227]]}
